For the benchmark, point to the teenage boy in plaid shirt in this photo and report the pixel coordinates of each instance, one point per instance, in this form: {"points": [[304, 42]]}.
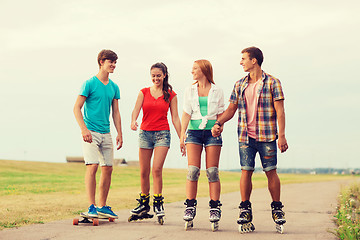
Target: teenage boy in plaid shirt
{"points": [[259, 99]]}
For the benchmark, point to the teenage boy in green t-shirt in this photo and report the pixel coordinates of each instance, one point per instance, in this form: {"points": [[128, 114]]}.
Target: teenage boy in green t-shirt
{"points": [[99, 95]]}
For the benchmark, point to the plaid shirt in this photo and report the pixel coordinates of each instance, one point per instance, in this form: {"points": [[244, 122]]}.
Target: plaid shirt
{"points": [[269, 91]]}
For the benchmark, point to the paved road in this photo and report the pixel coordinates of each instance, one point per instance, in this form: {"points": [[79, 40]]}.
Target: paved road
{"points": [[309, 211]]}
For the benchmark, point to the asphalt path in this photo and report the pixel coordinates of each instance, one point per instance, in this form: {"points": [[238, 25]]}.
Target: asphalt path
{"points": [[309, 208]]}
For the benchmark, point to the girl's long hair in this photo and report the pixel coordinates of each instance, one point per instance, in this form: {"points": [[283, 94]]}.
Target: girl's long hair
{"points": [[167, 88], [206, 69]]}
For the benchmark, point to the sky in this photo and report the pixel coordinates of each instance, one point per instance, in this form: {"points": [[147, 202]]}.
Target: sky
{"points": [[49, 48]]}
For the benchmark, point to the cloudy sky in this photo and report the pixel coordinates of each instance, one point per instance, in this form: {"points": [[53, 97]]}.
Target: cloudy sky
{"points": [[48, 48]]}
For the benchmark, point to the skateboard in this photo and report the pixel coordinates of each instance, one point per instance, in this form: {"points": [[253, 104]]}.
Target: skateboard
{"points": [[93, 220]]}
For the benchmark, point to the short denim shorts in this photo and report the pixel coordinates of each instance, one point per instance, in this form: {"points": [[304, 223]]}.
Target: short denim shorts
{"points": [[202, 137], [153, 139], [100, 150], [267, 151]]}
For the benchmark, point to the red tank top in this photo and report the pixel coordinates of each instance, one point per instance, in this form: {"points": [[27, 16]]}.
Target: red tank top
{"points": [[155, 112]]}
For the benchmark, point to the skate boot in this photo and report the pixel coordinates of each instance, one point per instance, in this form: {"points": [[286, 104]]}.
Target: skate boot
{"points": [[190, 213], [142, 209], [159, 208], [215, 214], [278, 215], [245, 218]]}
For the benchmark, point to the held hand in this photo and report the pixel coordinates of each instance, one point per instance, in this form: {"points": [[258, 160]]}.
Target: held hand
{"points": [[182, 146], [282, 144], [183, 149], [216, 130], [87, 137], [134, 126], [119, 142]]}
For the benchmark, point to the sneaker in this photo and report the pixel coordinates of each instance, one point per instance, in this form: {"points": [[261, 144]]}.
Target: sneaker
{"points": [[92, 212], [106, 211]]}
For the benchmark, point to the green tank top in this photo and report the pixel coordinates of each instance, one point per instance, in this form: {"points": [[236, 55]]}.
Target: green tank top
{"points": [[194, 124]]}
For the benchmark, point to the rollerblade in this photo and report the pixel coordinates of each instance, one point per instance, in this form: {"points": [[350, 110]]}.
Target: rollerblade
{"points": [[215, 214], [245, 218], [190, 213], [278, 215], [141, 211], [159, 208]]}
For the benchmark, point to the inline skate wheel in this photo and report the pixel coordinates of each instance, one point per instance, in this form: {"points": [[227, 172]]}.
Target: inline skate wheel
{"points": [[188, 225], [280, 228], [214, 226]]}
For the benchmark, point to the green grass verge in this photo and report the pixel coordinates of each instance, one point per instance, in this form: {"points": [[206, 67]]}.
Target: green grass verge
{"points": [[348, 213], [39, 192]]}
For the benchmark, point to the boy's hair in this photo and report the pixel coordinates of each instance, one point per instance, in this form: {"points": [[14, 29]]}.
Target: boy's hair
{"points": [[106, 54], [206, 69], [254, 52]]}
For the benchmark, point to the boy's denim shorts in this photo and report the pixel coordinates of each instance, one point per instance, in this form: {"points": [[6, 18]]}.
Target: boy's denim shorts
{"points": [[153, 139], [202, 137], [100, 150], [267, 151]]}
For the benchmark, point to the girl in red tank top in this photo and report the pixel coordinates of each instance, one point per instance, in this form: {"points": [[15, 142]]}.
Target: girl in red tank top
{"points": [[154, 137]]}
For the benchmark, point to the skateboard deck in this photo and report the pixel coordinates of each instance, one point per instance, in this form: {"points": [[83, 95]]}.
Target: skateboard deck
{"points": [[93, 220]]}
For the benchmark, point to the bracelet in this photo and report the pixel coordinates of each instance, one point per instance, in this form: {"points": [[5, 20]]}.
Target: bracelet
{"points": [[218, 123]]}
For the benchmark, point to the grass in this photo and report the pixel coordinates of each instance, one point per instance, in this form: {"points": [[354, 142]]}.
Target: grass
{"points": [[348, 213], [39, 192]]}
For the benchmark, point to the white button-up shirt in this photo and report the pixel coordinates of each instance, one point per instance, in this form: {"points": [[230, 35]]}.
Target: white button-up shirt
{"points": [[192, 105]]}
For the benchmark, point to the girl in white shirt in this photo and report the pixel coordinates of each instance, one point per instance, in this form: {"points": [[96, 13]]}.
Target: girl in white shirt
{"points": [[203, 104]]}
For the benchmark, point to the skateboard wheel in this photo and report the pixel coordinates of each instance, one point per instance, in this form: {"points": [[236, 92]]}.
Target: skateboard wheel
{"points": [[75, 221], [111, 219], [161, 220], [95, 222]]}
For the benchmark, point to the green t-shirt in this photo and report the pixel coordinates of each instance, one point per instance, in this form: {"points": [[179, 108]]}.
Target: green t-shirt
{"points": [[194, 124], [98, 102]]}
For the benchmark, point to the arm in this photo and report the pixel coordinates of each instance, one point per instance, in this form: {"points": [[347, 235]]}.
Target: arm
{"points": [[223, 118], [184, 124], [117, 122], [80, 120], [136, 111], [175, 115], [280, 113]]}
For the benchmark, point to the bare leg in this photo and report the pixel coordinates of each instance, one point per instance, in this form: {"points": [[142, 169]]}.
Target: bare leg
{"points": [[104, 185], [212, 160], [158, 163], [144, 162], [274, 185], [194, 159], [245, 184], [90, 182]]}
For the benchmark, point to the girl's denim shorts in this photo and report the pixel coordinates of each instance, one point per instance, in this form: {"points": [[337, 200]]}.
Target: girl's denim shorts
{"points": [[202, 137], [153, 139]]}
